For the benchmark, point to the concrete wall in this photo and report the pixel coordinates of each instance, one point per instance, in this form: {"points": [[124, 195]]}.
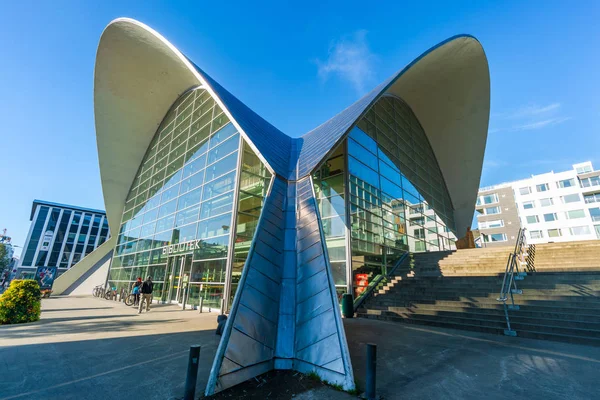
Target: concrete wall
{"points": [[97, 277], [84, 269]]}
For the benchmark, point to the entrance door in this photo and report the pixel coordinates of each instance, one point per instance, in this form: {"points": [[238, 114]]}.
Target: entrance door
{"points": [[186, 266], [179, 267]]}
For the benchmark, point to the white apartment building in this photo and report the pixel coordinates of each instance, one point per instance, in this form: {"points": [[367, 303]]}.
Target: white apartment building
{"points": [[556, 207]]}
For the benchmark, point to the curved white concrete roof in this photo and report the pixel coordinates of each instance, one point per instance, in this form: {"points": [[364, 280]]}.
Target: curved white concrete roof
{"points": [[139, 75], [448, 89]]}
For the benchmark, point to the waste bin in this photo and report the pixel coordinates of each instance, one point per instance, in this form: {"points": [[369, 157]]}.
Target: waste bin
{"points": [[347, 305]]}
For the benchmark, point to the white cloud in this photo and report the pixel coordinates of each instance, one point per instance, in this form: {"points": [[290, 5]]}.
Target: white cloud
{"points": [[349, 59], [538, 124], [530, 117]]}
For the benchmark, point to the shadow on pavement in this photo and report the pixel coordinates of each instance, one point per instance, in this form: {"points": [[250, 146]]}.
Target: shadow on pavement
{"points": [[115, 368]]}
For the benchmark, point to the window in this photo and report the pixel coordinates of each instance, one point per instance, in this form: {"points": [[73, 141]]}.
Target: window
{"points": [[554, 233], [595, 214], [542, 188], [571, 198], [492, 210], [546, 202], [528, 205], [591, 181], [565, 183], [487, 199], [574, 214], [498, 223], [495, 237], [550, 217], [583, 169], [525, 190], [591, 198], [580, 230], [532, 219], [536, 234]]}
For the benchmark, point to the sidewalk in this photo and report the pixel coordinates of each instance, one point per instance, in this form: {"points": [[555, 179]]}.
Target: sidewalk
{"points": [[88, 348], [417, 362]]}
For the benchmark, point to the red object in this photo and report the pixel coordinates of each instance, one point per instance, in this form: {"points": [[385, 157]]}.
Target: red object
{"points": [[361, 281]]}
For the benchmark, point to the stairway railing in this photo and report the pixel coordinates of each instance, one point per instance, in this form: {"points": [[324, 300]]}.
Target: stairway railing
{"points": [[377, 280], [512, 274]]}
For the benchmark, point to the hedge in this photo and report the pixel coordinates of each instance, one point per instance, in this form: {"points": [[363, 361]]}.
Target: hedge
{"points": [[21, 302]]}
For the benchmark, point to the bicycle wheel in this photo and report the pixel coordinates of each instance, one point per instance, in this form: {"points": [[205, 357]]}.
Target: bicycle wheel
{"points": [[129, 300], [108, 294]]}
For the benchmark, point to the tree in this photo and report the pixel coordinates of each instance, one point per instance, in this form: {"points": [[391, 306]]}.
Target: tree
{"points": [[4, 258]]}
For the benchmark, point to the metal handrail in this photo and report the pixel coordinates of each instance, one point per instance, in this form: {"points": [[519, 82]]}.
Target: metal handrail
{"points": [[511, 275], [378, 279]]}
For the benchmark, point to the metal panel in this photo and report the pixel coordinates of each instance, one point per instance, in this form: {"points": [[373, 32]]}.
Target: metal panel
{"points": [[318, 328], [264, 265], [259, 303], [323, 352], [336, 365], [256, 326], [311, 268], [229, 366], [245, 351], [243, 375], [264, 284], [313, 306]]}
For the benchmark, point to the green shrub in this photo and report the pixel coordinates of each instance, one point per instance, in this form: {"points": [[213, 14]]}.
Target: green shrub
{"points": [[21, 302]]}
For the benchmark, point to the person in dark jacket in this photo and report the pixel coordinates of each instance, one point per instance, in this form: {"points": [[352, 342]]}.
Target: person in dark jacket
{"points": [[146, 294]]}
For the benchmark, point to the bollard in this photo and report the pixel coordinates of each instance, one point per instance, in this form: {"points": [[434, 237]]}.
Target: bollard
{"points": [[184, 298], [121, 295], [347, 305], [192, 373], [371, 370], [221, 321], [200, 303]]}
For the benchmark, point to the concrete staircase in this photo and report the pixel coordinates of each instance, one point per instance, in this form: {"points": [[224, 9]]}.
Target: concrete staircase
{"points": [[560, 300]]}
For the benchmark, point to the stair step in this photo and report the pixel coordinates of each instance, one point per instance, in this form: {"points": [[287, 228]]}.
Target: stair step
{"points": [[588, 328], [524, 312]]}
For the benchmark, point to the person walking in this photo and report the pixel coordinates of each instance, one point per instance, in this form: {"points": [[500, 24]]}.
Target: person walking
{"points": [[135, 290], [146, 294]]}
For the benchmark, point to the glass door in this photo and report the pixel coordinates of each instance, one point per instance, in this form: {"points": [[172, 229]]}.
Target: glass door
{"points": [[172, 286], [186, 266]]}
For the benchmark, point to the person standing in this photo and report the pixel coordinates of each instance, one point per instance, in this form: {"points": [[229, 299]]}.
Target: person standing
{"points": [[135, 290], [146, 294]]}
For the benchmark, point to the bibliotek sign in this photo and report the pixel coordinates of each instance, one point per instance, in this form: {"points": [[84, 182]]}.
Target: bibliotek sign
{"points": [[181, 247]]}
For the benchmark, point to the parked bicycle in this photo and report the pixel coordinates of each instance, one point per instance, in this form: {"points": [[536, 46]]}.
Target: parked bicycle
{"points": [[98, 291], [129, 298], [110, 293]]}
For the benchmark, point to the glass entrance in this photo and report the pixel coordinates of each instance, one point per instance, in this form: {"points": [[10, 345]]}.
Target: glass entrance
{"points": [[184, 281], [178, 278]]}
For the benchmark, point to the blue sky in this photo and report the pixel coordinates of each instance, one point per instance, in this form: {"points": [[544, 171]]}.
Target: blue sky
{"points": [[296, 66]]}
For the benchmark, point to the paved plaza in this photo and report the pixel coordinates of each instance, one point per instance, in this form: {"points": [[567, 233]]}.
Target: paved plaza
{"points": [[87, 348]]}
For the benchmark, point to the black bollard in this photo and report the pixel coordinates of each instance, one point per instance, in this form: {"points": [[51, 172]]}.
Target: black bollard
{"points": [[221, 320], [201, 304], [371, 370], [192, 373]]}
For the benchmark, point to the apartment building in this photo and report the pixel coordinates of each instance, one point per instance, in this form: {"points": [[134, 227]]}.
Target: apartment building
{"points": [[553, 207], [498, 216]]}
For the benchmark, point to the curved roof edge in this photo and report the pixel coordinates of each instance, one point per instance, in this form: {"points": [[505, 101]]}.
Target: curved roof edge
{"points": [[448, 89], [137, 77]]}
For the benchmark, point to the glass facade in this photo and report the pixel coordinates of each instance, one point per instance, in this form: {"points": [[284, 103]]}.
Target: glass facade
{"points": [[61, 236], [178, 217], [381, 194]]}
